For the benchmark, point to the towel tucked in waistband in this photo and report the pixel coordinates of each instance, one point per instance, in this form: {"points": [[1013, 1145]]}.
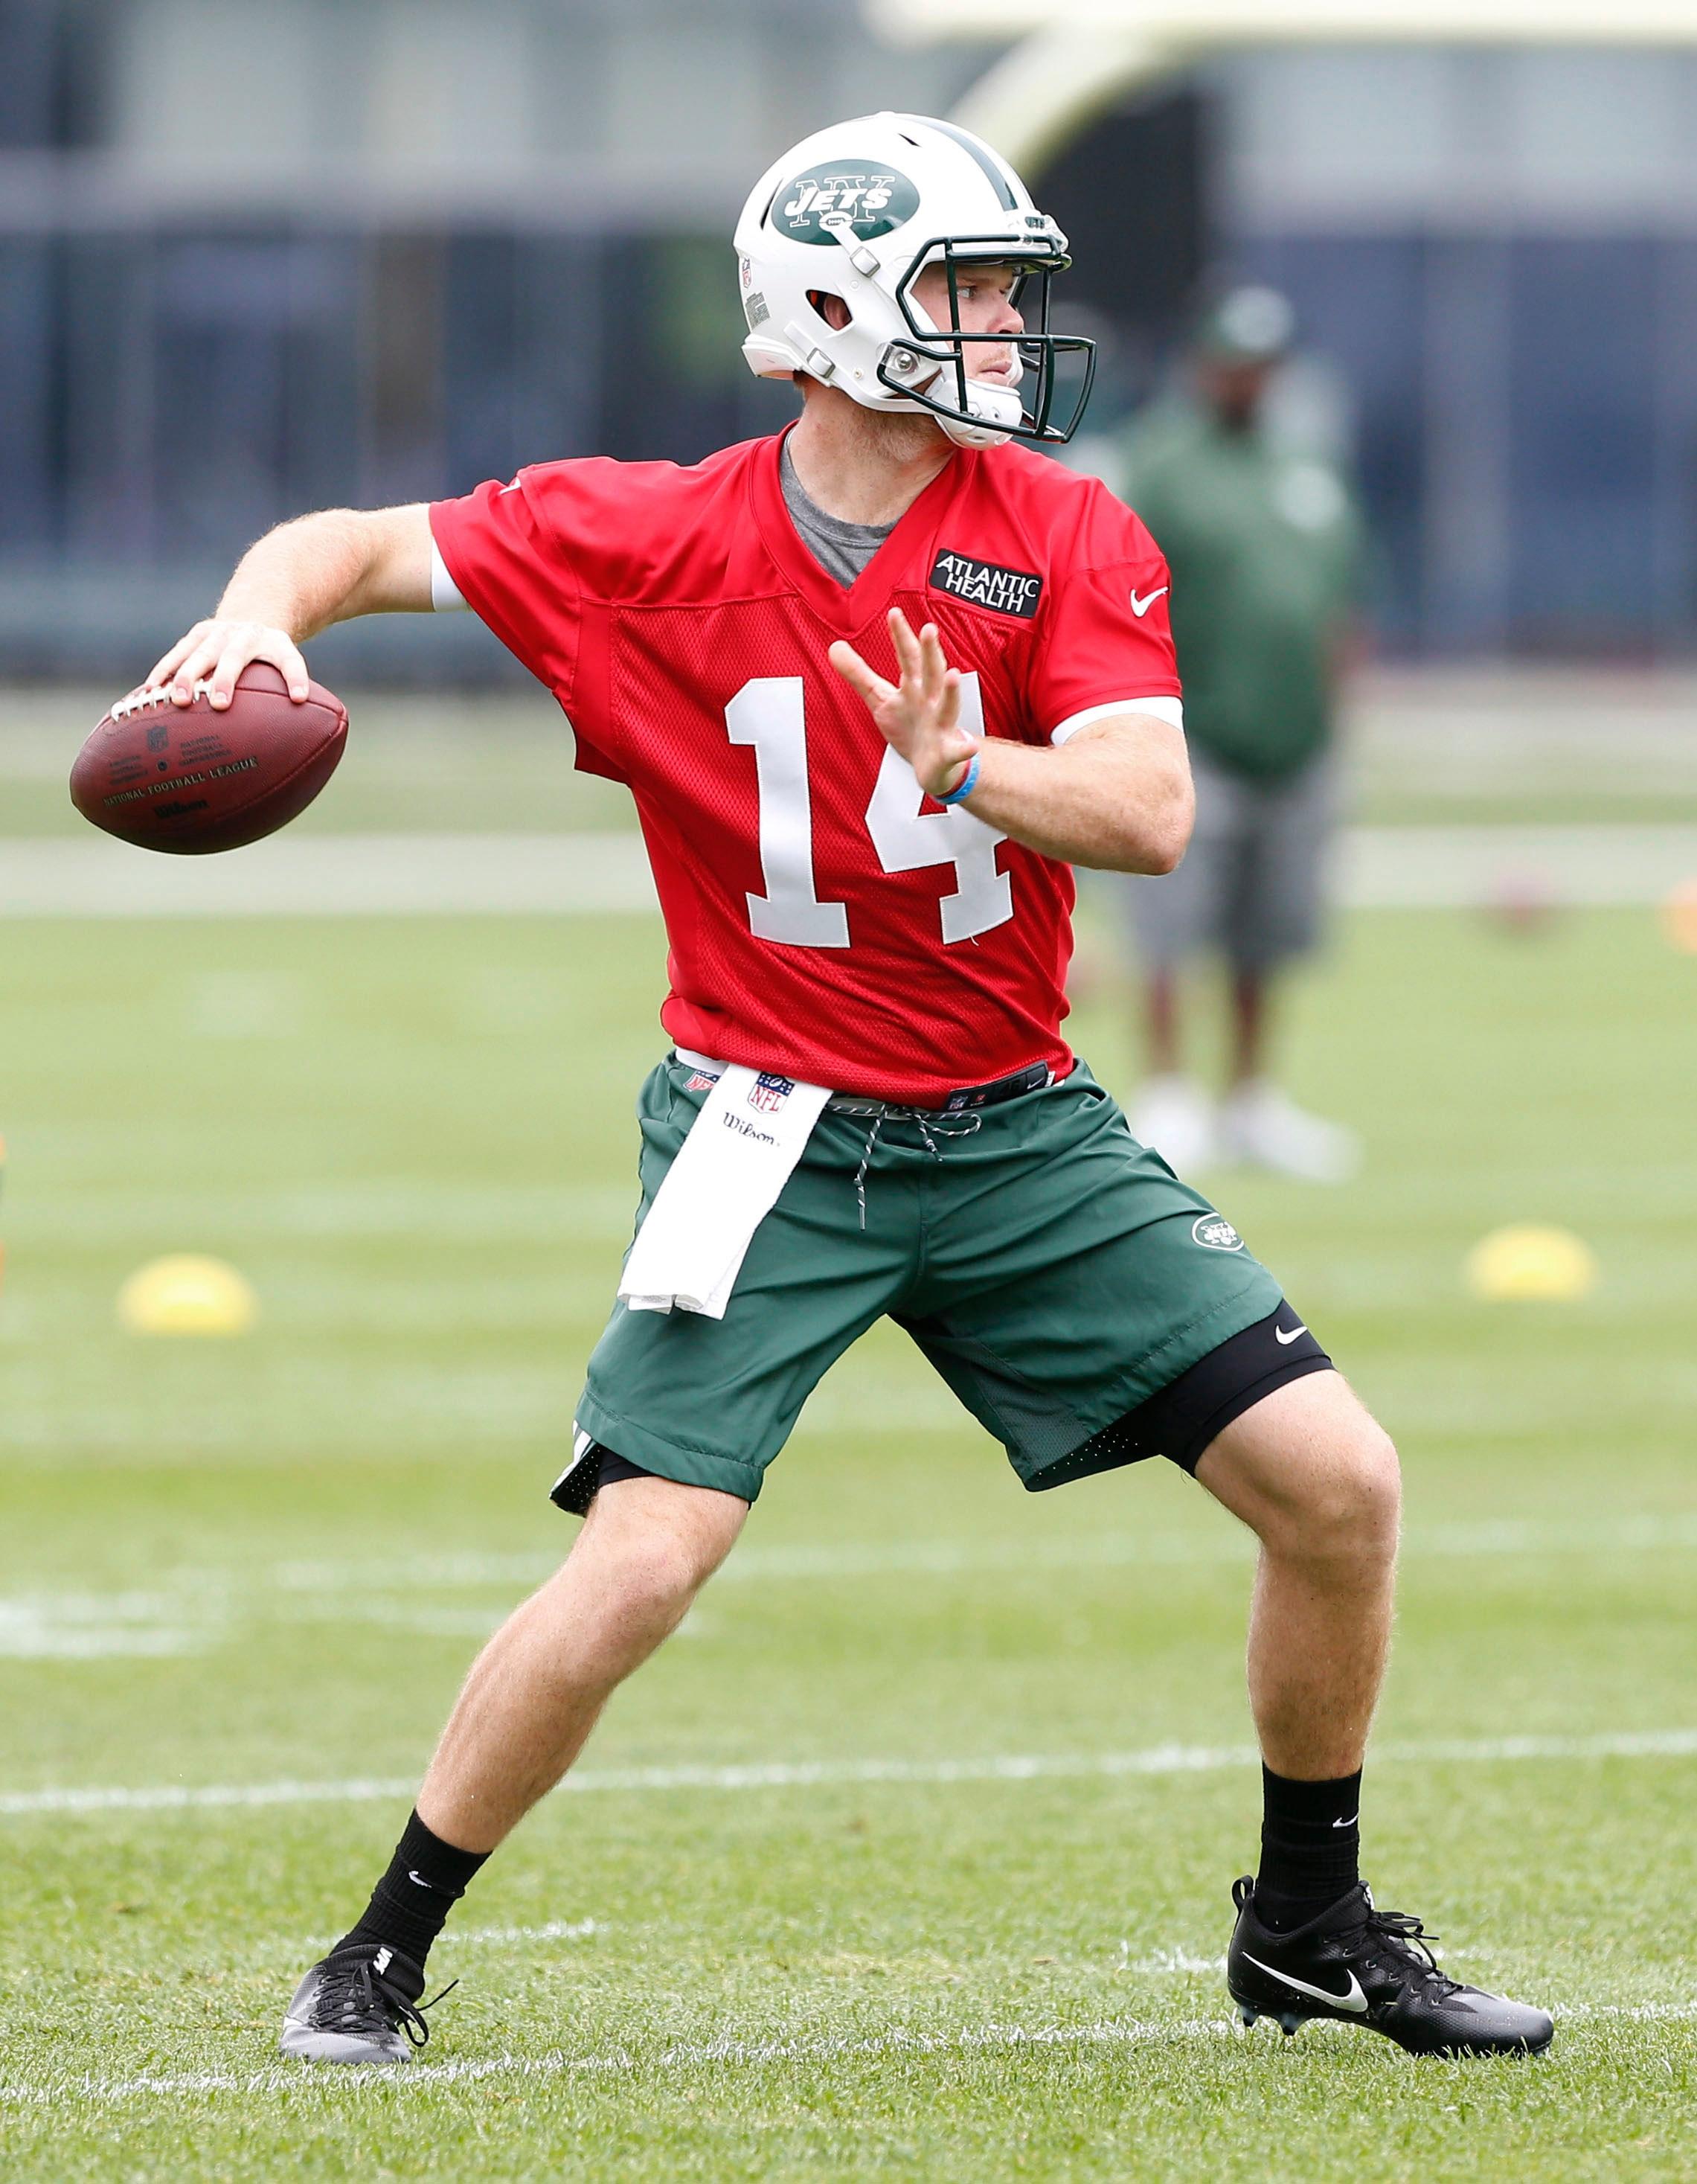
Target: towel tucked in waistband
{"points": [[742, 1148]]}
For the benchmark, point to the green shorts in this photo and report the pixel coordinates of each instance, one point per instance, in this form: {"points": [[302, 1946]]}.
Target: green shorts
{"points": [[1056, 1274]]}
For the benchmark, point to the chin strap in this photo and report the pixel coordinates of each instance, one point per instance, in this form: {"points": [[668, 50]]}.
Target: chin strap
{"points": [[991, 412]]}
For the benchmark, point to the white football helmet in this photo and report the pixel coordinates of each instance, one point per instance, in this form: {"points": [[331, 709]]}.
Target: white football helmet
{"points": [[858, 211]]}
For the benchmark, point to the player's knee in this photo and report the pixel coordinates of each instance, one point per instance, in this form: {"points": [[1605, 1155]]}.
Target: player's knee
{"points": [[647, 1584], [1378, 1475], [662, 1581], [661, 1542], [1354, 1506]]}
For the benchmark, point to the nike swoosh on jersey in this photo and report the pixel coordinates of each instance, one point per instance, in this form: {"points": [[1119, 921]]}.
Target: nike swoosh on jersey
{"points": [[1141, 607], [1354, 2001], [1280, 1334]]}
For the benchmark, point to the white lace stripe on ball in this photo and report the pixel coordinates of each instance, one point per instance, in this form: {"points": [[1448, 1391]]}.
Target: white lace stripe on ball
{"points": [[147, 700]]}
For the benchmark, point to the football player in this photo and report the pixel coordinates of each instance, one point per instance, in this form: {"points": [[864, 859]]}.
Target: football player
{"points": [[877, 684]]}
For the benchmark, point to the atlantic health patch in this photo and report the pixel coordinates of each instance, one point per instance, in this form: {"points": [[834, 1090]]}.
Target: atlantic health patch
{"points": [[982, 584]]}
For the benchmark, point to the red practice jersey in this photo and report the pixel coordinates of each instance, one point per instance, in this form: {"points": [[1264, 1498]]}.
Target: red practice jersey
{"points": [[825, 920]]}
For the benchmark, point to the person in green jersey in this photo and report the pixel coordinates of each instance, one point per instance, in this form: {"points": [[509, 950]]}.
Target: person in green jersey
{"points": [[1265, 548]]}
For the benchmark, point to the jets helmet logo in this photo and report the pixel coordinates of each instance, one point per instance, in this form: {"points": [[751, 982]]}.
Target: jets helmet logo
{"points": [[827, 201]]}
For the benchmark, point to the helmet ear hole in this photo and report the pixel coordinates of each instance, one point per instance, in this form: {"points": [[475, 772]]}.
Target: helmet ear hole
{"points": [[831, 308]]}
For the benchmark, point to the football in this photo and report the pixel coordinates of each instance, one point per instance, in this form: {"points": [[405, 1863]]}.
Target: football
{"points": [[188, 780]]}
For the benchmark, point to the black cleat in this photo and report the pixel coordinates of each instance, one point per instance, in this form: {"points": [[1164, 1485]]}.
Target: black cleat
{"points": [[359, 2004], [1359, 1966]]}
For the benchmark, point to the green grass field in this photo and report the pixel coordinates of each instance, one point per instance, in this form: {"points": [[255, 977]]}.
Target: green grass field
{"points": [[910, 1856]]}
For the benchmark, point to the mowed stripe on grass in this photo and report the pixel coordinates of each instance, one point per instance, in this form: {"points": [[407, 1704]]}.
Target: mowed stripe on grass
{"points": [[307, 874], [194, 1609]]}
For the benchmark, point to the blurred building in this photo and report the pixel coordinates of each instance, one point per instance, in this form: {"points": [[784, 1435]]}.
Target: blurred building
{"points": [[255, 258], [1502, 251]]}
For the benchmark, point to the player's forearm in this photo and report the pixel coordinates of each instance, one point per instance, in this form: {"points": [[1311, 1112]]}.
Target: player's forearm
{"points": [[329, 567], [1118, 798], [296, 581]]}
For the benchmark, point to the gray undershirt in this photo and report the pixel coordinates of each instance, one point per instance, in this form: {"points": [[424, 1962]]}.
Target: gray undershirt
{"points": [[841, 549]]}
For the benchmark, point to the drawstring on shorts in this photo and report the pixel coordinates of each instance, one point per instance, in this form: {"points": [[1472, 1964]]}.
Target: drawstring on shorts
{"points": [[968, 1126]]}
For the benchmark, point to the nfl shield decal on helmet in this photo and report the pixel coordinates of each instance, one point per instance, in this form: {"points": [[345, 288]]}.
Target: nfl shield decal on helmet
{"points": [[1216, 1232]]}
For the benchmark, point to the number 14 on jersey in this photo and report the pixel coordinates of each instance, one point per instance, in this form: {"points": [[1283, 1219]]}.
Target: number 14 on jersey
{"points": [[771, 714]]}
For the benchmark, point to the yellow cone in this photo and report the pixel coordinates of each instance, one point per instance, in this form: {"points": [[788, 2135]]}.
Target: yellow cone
{"points": [[1528, 1262], [1679, 916], [186, 1295]]}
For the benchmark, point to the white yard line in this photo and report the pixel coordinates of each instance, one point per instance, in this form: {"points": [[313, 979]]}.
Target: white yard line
{"points": [[295, 874], [826, 1774], [1634, 2013], [555, 1930], [688, 2055]]}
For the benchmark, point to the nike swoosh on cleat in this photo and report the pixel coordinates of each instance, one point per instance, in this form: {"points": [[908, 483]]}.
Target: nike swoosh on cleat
{"points": [[1281, 1335], [1354, 2001]]}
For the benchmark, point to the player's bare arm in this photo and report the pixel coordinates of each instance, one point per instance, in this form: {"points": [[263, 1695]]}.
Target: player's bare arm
{"points": [[297, 580], [1117, 796]]}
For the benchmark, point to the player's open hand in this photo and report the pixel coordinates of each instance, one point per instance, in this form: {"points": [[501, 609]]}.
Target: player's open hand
{"points": [[919, 716], [215, 652]]}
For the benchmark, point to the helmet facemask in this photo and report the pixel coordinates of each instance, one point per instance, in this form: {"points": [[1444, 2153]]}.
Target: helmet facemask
{"points": [[952, 394]]}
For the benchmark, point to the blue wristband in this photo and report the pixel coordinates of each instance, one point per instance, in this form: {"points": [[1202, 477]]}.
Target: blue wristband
{"points": [[968, 783]]}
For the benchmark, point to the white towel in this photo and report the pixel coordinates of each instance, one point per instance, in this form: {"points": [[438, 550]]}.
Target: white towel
{"points": [[739, 1156]]}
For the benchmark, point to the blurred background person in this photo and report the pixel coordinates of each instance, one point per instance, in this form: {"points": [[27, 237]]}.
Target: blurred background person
{"points": [[1263, 542]]}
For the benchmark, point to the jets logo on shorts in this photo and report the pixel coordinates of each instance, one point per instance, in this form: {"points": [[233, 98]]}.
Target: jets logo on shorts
{"points": [[1216, 1233], [768, 1093]]}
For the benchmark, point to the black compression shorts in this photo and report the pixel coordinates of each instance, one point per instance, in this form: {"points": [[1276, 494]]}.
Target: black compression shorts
{"points": [[1178, 1422]]}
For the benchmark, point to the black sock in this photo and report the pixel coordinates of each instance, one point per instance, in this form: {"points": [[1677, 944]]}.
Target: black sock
{"points": [[410, 1904], [1310, 1847]]}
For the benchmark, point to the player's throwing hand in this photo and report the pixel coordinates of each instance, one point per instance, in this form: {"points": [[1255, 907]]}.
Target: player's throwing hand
{"points": [[215, 651], [919, 716]]}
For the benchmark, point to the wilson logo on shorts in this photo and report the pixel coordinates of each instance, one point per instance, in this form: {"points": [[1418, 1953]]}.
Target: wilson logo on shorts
{"points": [[768, 1093], [1216, 1233]]}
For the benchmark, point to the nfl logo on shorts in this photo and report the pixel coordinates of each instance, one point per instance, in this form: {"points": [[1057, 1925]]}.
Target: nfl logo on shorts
{"points": [[769, 1093]]}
